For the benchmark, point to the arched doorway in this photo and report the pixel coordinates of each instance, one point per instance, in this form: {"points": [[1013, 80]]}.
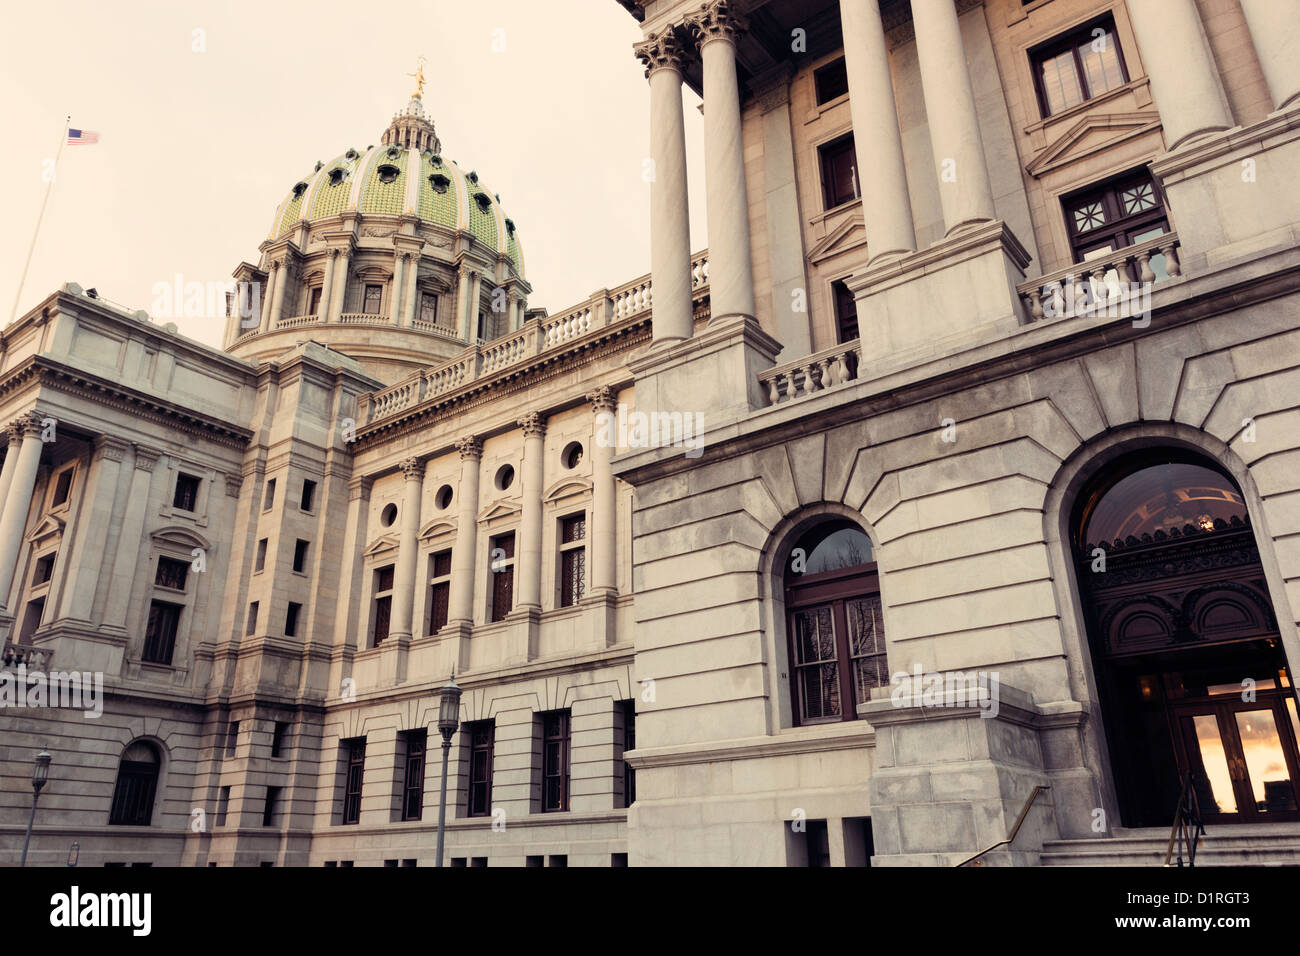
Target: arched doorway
{"points": [[1190, 670]]}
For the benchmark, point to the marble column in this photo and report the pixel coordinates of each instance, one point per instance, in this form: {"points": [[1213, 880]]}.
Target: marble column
{"points": [[277, 297], [463, 327], [327, 285], [461, 599], [731, 272], [408, 543], [269, 293], [338, 298], [1184, 78], [1275, 29], [14, 437], [882, 173], [86, 557], [395, 296], [670, 234], [528, 587], [472, 305], [18, 499], [409, 303], [126, 562], [601, 530], [964, 187]]}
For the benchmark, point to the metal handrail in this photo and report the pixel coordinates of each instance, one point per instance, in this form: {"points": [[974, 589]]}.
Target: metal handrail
{"points": [[1024, 812], [1188, 826]]}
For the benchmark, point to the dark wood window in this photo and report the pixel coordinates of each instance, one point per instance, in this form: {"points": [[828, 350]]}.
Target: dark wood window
{"points": [[291, 619], [308, 494], [313, 301], [555, 760], [268, 810], [268, 499], [171, 574], [439, 591], [501, 557], [278, 738], [481, 735], [1077, 66], [627, 714], [160, 632], [62, 487], [573, 559], [1119, 212], [383, 605], [355, 749], [373, 300], [428, 307], [831, 81], [413, 779], [300, 555], [137, 783], [186, 496], [846, 312], [835, 627], [839, 172]]}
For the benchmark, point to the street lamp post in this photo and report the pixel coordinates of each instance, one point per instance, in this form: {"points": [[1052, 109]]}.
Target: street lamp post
{"points": [[448, 721], [40, 773]]}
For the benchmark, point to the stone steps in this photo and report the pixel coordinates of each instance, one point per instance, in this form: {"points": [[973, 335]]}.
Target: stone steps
{"points": [[1276, 844]]}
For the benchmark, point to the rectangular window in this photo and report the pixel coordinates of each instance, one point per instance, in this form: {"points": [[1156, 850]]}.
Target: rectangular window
{"points": [[43, 569], [260, 561], [409, 861], [291, 619], [573, 559], [232, 737], [268, 499], [160, 632], [501, 558], [223, 806], [846, 312], [627, 721], [555, 760], [810, 846], [186, 497], [618, 860], [300, 555], [251, 626], [278, 738], [383, 605], [374, 299], [534, 861], [559, 859], [308, 494], [481, 737], [1121, 211], [831, 81], [268, 811], [171, 574], [355, 750], [439, 591], [428, 307], [32, 619], [413, 782], [62, 486], [839, 165], [313, 301], [479, 861], [1077, 66]]}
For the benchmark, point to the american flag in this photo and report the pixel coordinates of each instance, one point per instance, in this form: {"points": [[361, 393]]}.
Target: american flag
{"points": [[82, 137]]}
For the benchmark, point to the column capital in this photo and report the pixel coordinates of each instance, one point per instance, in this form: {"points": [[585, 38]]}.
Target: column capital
{"points": [[661, 51], [602, 399], [533, 425], [717, 20], [470, 448], [13, 432], [110, 447], [412, 468], [146, 457], [27, 425]]}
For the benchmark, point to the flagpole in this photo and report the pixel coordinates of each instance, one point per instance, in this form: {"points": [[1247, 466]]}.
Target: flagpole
{"points": [[22, 281]]}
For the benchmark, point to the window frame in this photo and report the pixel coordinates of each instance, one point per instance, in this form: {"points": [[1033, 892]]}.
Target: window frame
{"points": [[382, 597], [505, 573], [354, 769], [439, 585], [556, 728], [1117, 227], [571, 565], [844, 144], [143, 801], [474, 806], [154, 641], [414, 767], [1070, 41]]}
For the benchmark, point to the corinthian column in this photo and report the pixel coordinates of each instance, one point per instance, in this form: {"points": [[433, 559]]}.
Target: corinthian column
{"points": [[395, 297], [1275, 28], [18, 498], [886, 209], [126, 562], [14, 436], [731, 274], [268, 294], [327, 286], [277, 300], [964, 187], [461, 601], [530, 522], [670, 234], [407, 544], [408, 297], [1183, 76], [339, 295], [604, 500]]}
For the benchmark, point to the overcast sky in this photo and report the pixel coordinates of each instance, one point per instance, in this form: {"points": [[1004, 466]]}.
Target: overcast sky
{"points": [[198, 148]]}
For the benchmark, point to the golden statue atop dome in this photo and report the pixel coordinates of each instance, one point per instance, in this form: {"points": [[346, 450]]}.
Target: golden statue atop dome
{"points": [[419, 80]]}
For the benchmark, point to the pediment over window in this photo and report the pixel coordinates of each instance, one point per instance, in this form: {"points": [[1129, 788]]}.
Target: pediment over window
{"points": [[437, 528], [1093, 133], [176, 535], [386, 542], [848, 235], [567, 488], [499, 509], [48, 527]]}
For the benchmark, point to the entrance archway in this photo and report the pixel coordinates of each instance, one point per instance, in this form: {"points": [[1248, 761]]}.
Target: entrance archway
{"points": [[1190, 670]]}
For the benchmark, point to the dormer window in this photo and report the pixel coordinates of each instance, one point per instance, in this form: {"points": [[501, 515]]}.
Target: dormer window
{"points": [[439, 182], [510, 226], [392, 152], [337, 176], [298, 190], [484, 203], [473, 177], [388, 173], [435, 160], [350, 154]]}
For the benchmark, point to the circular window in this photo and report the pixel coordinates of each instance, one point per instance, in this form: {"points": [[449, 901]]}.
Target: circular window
{"points": [[505, 477], [443, 498], [572, 454], [388, 515]]}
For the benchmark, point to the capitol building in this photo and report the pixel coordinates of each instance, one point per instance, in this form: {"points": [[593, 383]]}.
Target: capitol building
{"points": [[947, 506]]}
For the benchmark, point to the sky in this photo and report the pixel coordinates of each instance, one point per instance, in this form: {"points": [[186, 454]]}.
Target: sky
{"points": [[209, 112]]}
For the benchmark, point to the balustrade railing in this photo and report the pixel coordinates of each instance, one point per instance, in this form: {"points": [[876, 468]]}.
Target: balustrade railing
{"points": [[1118, 283], [36, 658], [297, 320], [813, 373], [364, 318]]}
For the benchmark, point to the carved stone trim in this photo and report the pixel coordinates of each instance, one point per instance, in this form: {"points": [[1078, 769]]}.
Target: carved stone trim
{"points": [[661, 51], [110, 447], [717, 21], [602, 399], [146, 458], [533, 425]]}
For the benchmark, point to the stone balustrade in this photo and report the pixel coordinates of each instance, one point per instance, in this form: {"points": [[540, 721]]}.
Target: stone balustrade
{"points": [[364, 318], [294, 321], [1118, 283], [828, 368], [36, 658]]}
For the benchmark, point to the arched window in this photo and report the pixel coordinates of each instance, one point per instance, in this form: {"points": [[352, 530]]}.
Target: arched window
{"points": [[137, 783], [834, 623]]}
